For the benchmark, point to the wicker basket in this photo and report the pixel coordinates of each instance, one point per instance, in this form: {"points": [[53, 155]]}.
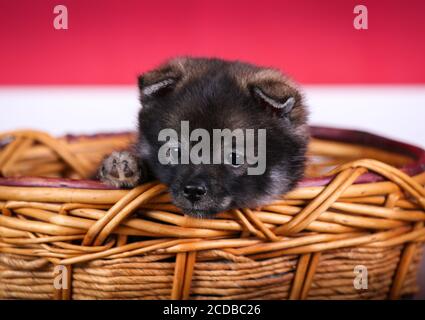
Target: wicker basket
{"points": [[354, 209]]}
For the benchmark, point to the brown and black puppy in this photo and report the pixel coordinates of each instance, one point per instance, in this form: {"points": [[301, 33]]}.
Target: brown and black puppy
{"points": [[213, 94]]}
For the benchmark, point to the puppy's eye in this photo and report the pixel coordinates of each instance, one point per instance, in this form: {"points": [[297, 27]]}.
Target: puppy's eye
{"points": [[174, 154], [235, 159]]}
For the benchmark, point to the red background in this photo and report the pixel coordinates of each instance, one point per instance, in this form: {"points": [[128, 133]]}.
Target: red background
{"points": [[110, 42]]}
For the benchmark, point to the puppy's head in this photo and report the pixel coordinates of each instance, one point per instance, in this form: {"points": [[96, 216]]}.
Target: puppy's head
{"points": [[202, 100]]}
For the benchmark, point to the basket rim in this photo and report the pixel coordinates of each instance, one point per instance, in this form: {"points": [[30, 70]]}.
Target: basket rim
{"points": [[319, 132]]}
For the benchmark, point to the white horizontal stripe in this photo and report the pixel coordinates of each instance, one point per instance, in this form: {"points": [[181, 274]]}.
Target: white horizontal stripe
{"points": [[393, 111]]}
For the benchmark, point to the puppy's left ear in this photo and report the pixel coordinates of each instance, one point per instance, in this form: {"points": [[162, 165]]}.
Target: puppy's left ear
{"points": [[277, 94], [282, 105]]}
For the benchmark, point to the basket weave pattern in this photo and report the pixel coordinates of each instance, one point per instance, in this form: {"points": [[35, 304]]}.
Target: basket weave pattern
{"points": [[356, 209]]}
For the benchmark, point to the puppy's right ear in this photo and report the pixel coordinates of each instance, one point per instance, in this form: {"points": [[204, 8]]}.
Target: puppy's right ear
{"points": [[155, 88], [158, 82]]}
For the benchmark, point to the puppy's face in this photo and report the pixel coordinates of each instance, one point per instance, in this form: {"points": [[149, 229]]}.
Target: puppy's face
{"points": [[189, 94]]}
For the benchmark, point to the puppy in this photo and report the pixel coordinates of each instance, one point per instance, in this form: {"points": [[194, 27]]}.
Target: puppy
{"points": [[188, 94]]}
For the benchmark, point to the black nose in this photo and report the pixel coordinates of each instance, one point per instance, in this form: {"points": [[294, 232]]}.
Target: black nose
{"points": [[194, 192]]}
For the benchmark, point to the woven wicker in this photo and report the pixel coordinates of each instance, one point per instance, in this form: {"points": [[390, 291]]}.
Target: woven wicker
{"points": [[355, 208]]}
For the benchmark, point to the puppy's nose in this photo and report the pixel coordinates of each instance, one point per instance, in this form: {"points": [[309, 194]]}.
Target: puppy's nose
{"points": [[194, 192]]}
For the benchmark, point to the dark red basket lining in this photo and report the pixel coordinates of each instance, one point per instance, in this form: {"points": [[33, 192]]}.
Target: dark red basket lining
{"points": [[326, 133]]}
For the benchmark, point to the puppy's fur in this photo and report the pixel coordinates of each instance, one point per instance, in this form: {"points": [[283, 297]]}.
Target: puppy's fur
{"points": [[216, 94]]}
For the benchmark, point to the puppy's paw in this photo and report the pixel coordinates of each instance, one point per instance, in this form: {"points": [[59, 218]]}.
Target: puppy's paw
{"points": [[121, 170]]}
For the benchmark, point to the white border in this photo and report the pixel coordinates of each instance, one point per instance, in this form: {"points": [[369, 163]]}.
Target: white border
{"points": [[393, 111]]}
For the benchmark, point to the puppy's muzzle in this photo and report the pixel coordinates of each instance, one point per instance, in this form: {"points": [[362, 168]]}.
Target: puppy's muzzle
{"points": [[194, 191]]}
